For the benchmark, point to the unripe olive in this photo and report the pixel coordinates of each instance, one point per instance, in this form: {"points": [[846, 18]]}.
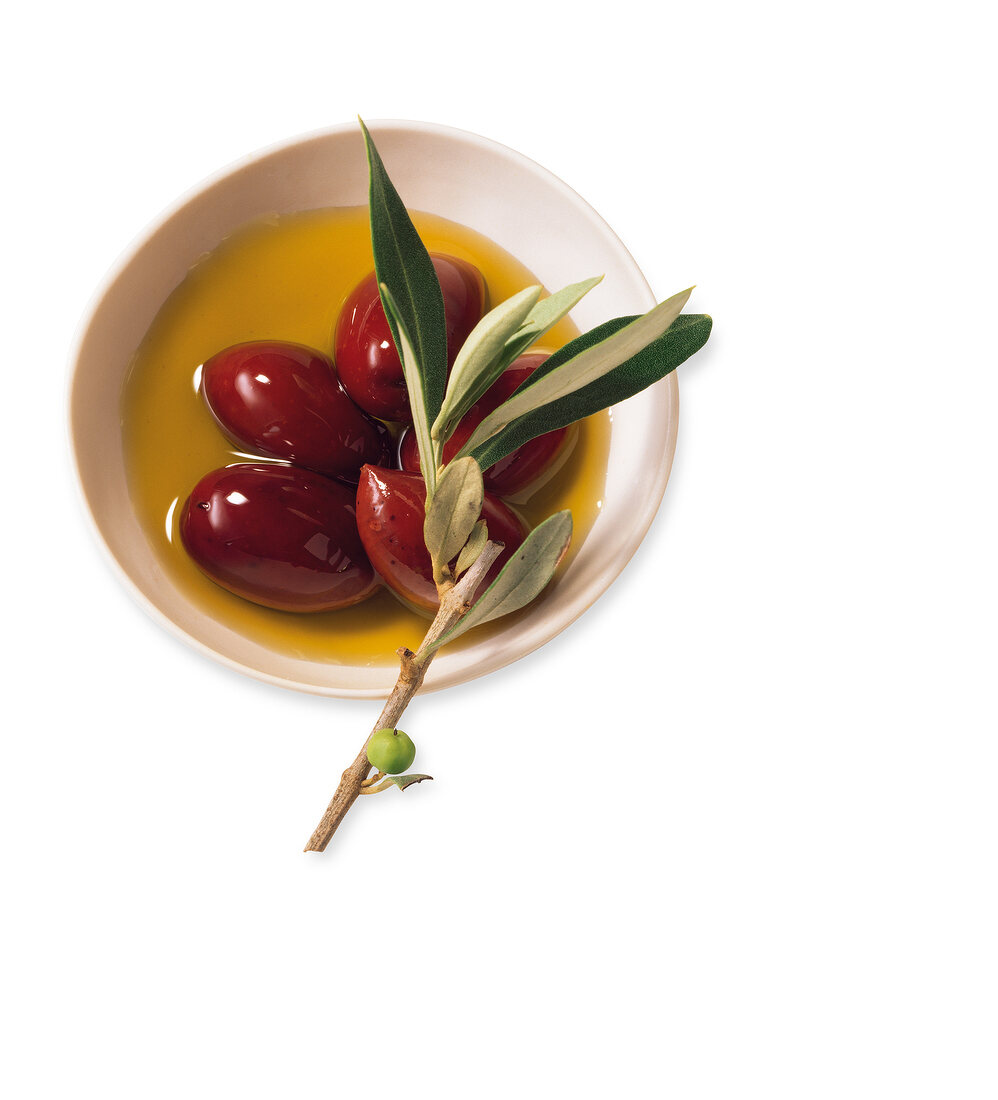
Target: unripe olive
{"points": [[391, 751]]}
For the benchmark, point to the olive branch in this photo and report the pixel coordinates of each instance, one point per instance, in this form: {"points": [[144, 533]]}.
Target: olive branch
{"points": [[604, 366]]}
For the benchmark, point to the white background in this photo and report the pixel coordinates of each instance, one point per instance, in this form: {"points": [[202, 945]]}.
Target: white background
{"points": [[731, 835]]}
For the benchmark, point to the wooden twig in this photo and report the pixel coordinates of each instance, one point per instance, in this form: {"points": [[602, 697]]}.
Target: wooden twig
{"points": [[455, 601]]}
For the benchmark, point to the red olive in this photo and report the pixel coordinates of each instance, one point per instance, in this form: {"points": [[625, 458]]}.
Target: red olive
{"points": [[279, 536], [516, 471], [390, 513], [283, 400], [366, 360]]}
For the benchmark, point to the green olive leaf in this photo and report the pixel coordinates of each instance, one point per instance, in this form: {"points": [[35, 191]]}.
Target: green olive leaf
{"points": [[404, 266], [588, 366], [496, 342], [400, 781], [453, 512], [522, 578], [403, 781], [474, 368], [687, 334], [410, 368], [547, 313], [472, 548]]}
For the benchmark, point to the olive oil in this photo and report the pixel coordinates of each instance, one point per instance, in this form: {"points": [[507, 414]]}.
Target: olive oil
{"points": [[285, 278]]}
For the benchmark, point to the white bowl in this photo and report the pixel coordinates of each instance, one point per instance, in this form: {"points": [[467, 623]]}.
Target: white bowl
{"points": [[494, 190]]}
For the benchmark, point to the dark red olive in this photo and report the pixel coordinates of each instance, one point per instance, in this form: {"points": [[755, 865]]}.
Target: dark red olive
{"points": [[390, 513], [517, 471], [279, 536], [366, 360], [283, 400]]}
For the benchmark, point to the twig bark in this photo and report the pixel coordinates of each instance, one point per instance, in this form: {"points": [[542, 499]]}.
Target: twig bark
{"points": [[455, 601]]}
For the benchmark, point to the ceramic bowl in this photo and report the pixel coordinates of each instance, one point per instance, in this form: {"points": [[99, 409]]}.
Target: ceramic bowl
{"points": [[448, 172]]}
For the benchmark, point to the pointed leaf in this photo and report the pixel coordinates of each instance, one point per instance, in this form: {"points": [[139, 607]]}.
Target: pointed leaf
{"points": [[410, 368], [550, 310], [455, 509], [404, 266], [472, 548], [522, 578], [403, 781], [685, 336], [582, 369], [474, 368]]}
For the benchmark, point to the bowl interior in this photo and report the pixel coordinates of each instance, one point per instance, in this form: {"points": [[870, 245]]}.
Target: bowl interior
{"points": [[465, 178]]}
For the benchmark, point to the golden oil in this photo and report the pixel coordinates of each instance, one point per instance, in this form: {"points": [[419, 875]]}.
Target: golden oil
{"points": [[285, 278]]}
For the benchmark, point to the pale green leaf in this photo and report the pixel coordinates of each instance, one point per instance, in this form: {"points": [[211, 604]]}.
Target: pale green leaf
{"points": [[474, 368], [454, 511], [522, 578], [684, 337], [581, 370], [491, 359], [547, 313], [472, 548], [403, 781]]}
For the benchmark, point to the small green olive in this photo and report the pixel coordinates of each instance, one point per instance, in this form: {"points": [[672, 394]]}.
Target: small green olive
{"points": [[391, 751]]}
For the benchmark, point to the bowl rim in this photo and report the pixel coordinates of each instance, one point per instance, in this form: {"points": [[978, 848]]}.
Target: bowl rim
{"points": [[438, 676]]}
